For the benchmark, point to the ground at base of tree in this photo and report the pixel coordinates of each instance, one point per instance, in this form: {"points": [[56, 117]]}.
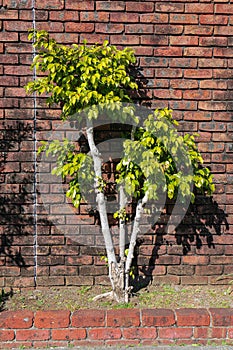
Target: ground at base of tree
{"points": [[153, 296]]}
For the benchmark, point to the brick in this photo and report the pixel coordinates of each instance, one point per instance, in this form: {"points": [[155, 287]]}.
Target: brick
{"points": [[184, 84], [16, 92], [194, 280], [195, 260], [183, 18], [32, 334], [9, 81], [180, 270], [52, 319], [158, 317], [167, 94], [80, 5], [184, 105], [50, 26], [17, 26], [222, 317], [168, 29], [209, 270], [88, 318], [68, 38], [212, 106], [184, 41], [109, 28], [219, 333], [201, 333], [199, 8], [79, 27], [17, 70], [104, 333], [151, 18], [198, 73], [110, 6], [160, 40], [141, 6], [213, 41], [6, 335], [65, 15], [16, 319], [175, 333], [56, 4], [9, 14], [139, 28], [8, 4], [222, 30], [68, 334], [197, 95], [192, 317], [118, 318], [213, 19], [214, 62], [166, 51], [124, 39], [99, 16], [140, 333], [6, 36], [224, 8], [169, 7], [198, 52], [198, 30]]}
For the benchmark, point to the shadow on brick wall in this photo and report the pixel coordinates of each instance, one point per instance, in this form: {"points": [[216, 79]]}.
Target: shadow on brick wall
{"points": [[17, 194], [203, 221]]}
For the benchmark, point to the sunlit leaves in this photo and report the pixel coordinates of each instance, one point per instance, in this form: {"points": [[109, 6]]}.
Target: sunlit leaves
{"points": [[80, 76], [151, 161]]}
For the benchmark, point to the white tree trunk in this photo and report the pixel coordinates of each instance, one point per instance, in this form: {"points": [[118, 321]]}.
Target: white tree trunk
{"points": [[118, 272], [100, 198], [133, 240]]}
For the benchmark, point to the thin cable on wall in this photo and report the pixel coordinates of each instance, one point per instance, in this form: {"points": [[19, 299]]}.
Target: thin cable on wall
{"points": [[35, 241]]}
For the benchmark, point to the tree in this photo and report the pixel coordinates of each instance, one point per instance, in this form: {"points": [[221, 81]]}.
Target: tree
{"points": [[157, 160]]}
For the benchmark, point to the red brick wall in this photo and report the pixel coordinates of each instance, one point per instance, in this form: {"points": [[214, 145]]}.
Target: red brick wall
{"points": [[185, 50], [116, 327]]}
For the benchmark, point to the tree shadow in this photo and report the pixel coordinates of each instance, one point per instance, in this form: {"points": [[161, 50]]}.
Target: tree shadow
{"points": [[14, 184], [4, 296], [202, 222], [17, 175]]}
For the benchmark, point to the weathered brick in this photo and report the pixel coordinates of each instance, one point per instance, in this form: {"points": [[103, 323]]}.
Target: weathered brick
{"points": [[175, 333], [104, 333], [52, 319], [32, 334], [109, 28], [140, 333], [158, 317], [199, 8], [16, 319], [79, 27], [110, 6], [118, 318], [68, 334], [141, 6], [222, 317], [169, 7], [192, 317], [6, 335], [88, 318]]}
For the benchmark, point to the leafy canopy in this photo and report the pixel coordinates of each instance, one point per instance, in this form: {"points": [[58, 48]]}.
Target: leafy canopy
{"points": [[79, 77]]}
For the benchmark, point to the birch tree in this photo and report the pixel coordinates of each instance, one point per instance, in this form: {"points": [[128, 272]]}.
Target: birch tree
{"points": [[96, 80]]}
